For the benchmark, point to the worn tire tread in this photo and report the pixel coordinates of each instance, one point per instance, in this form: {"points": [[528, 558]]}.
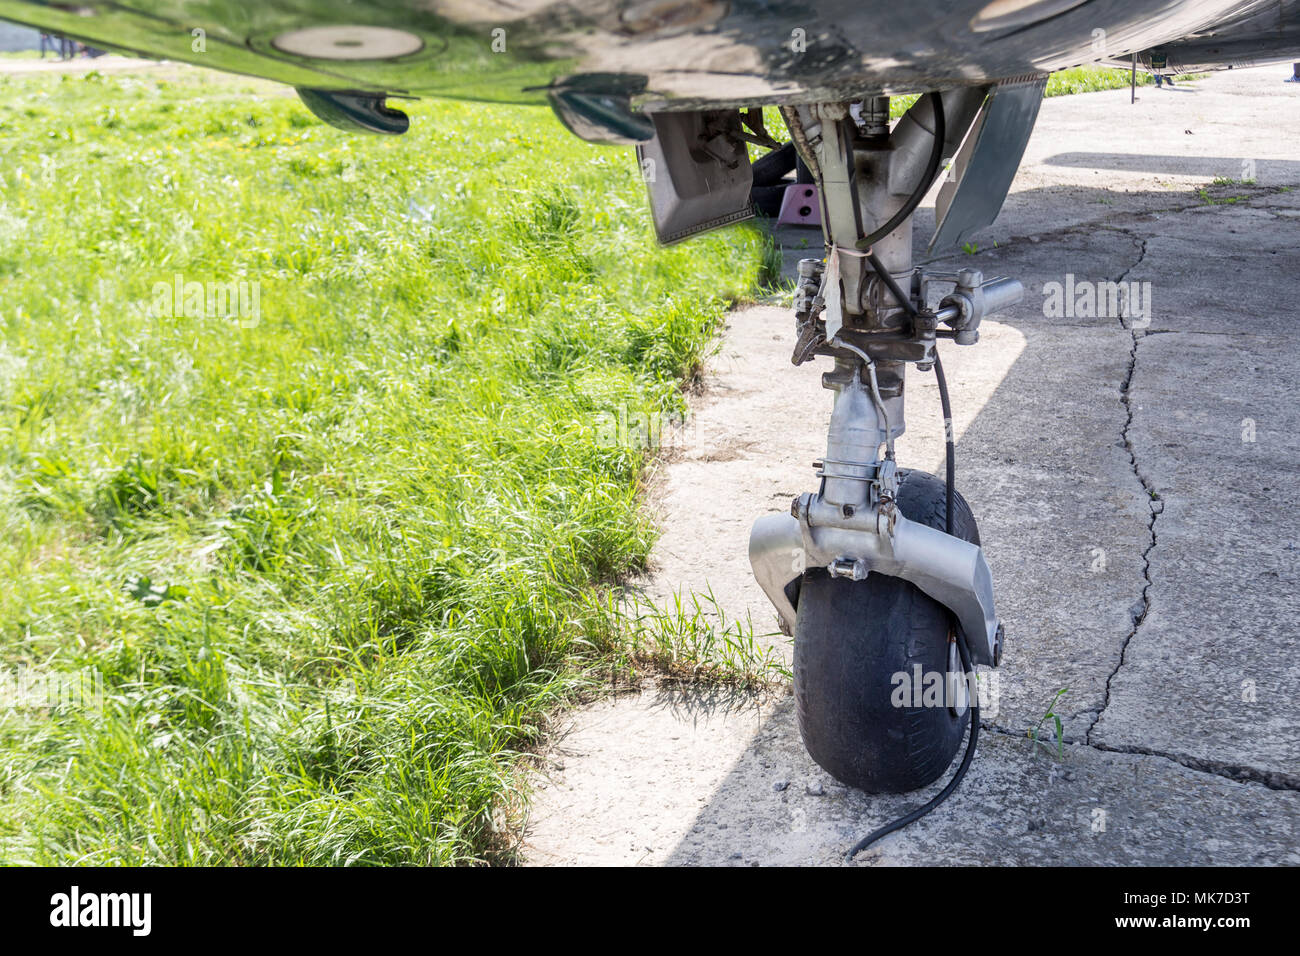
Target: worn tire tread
{"points": [[851, 637]]}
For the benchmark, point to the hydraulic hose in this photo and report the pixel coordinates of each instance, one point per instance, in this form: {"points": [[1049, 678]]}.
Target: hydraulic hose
{"points": [[922, 187], [950, 455]]}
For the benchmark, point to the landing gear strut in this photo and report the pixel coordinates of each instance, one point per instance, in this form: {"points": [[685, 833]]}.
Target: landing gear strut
{"points": [[879, 575]]}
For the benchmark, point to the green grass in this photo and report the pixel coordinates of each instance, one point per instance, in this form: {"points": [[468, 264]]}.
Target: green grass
{"points": [[1090, 79], [1053, 719], [1207, 199], [691, 638], [337, 562], [1221, 191]]}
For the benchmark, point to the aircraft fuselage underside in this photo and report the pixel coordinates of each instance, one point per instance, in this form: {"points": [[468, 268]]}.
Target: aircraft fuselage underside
{"points": [[672, 54]]}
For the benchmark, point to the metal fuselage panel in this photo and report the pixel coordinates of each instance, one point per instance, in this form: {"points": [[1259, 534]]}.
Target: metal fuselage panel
{"points": [[678, 54]]}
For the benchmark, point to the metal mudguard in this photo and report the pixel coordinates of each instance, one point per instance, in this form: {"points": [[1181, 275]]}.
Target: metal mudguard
{"points": [[984, 167], [948, 569]]}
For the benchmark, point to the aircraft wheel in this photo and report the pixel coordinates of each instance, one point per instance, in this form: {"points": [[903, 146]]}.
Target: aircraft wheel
{"points": [[853, 637]]}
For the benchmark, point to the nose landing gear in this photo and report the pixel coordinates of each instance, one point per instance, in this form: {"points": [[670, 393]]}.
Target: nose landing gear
{"points": [[879, 575]]}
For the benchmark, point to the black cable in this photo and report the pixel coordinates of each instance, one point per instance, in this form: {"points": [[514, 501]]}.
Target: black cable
{"points": [[885, 277], [950, 454], [949, 451], [923, 187], [943, 794]]}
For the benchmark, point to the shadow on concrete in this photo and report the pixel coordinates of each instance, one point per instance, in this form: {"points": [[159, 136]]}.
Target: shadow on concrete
{"points": [[693, 702]]}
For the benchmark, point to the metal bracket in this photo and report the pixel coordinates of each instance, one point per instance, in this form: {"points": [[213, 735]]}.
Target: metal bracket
{"points": [[357, 112], [601, 117], [697, 172]]}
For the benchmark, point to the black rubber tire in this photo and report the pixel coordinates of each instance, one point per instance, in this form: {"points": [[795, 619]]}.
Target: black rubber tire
{"points": [[851, 638], [772, 167], [768, 199]]}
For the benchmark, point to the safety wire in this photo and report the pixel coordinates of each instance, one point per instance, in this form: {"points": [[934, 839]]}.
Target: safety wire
{"points": [[962, 650]]}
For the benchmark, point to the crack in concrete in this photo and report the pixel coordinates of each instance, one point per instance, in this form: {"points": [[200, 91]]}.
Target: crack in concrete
{"points": [[1142, 254], [1238, 773], [1273, 780], [1070, 229], [1154, 502]]}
